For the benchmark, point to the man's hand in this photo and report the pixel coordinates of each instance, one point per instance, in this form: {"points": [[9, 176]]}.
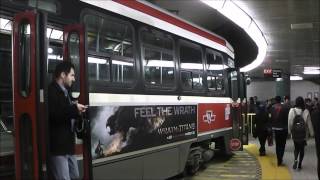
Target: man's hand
{"points": [[82, 108]]}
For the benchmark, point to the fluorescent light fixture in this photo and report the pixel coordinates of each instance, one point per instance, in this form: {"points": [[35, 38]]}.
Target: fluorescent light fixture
{"points": [[96, 60], [191, 66], [28, 29], [311, 70], [302, 26], [216, 67], [217, 4], [5, 24], [197, 80], [55, 57], [279, 79], [121, 63], [295, 78], [158, 63], [232, 11], [49, 30], [56, 34], [315, 71]]}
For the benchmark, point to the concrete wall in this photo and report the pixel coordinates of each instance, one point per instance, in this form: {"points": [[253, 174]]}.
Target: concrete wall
{"points": [[262, 89], [267, 89], [302, 88]]}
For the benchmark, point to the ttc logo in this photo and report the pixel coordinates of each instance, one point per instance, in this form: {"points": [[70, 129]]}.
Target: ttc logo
{"points": [[209, 117]]}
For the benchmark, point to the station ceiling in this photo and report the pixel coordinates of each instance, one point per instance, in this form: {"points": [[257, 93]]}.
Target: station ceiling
{"points": [[291, 27]]}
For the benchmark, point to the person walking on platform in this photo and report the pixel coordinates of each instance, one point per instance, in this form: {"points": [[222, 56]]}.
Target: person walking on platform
{"points": [[263, 127], [299, 125], [286, 101], [62, 115], [315, 118], [279, 118]]}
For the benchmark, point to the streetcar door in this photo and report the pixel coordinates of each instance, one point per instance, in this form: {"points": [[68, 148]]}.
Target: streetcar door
{"points": [[243, 109], [235, 106], [74, 51], [25, 62]]}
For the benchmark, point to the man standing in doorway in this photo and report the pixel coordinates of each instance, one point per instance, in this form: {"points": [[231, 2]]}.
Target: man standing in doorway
{"points": [[62, 115], [279, 118]]}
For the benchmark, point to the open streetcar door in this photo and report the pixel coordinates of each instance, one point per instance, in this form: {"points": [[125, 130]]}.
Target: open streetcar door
{"points": [[74, 51], [243, 109], [26, 94], [233, 76]]}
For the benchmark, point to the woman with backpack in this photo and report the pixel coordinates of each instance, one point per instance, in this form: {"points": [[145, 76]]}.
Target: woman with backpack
{"points": [[299, 125]]}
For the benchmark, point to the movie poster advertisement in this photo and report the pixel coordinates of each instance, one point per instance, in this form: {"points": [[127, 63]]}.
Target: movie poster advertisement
{"points": [[122, 129]]}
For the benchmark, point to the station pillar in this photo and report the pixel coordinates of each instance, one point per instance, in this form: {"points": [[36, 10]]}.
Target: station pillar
{"points": [[283, 86]]}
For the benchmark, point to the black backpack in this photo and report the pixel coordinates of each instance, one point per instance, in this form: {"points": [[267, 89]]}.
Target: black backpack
{"points": [[298, 127]]}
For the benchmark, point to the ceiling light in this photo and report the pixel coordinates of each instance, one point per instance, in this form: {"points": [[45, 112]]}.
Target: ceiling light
{"points": [[315, 71], [302, 26], [191, 66], [218, 4], [50, 50], [49, 32], [311, 68], [279, 79], [216, 67], [122, 63], [295, 78], [96, 60], [158, 63], [232, 11]]}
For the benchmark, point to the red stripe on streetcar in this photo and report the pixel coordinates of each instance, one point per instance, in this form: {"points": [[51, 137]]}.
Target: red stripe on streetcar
{"points": [[170, 19]]}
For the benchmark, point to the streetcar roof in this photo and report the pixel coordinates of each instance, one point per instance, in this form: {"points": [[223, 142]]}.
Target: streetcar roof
{"points": [[149, 14]]}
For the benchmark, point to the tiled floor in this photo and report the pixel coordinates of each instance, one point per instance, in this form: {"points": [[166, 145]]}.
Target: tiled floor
{"points": [[309, 164]]}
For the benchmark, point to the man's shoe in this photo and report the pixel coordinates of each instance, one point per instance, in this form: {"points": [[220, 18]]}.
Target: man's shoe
{"points": [[295, 164], [299, 166]]}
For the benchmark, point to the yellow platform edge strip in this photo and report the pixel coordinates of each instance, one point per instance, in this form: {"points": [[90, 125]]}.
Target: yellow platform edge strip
{"points": [[268, 163]]}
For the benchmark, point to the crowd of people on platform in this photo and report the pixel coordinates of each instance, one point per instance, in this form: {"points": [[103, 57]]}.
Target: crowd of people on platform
{"points": [[282, 119]]}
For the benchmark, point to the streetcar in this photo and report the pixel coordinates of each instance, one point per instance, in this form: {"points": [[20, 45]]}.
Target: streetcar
{"points": [[164, 94]]}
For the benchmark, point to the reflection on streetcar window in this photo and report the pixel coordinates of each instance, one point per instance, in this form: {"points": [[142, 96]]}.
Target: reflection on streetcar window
{"points": [[191, 66]]}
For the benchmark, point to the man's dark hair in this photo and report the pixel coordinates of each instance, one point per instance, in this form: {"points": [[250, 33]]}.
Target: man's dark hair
{"points": [[286, 98], [300, 102], [64, 66], [277, 99]]}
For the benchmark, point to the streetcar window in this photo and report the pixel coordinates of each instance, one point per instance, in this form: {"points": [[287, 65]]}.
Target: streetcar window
{"points": [[110, 39], [99, 68], [215, 70], [157, 59], [110, 36], [191, 66], [24, 59]]}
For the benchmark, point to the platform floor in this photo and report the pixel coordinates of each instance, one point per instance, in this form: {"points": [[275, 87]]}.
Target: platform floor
{"points": [[248, 165], [309, 163], [240, 166]]}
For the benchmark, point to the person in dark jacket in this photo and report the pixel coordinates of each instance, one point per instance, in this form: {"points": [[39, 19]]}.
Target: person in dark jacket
{"points": [[62, 115], [315, 118], [263, 126], [279, 118]]}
